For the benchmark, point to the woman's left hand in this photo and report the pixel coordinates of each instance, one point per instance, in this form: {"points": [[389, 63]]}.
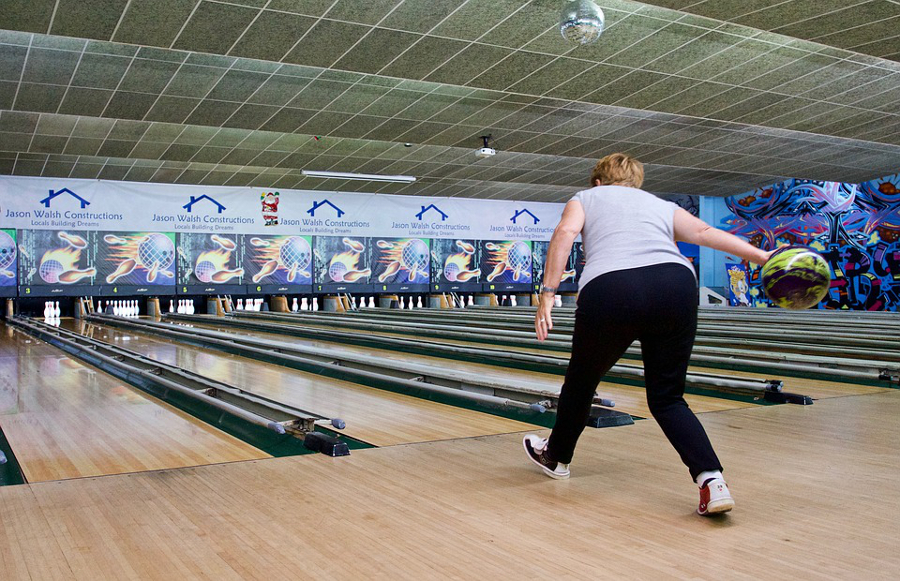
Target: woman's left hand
{"points": [[543, 323]]}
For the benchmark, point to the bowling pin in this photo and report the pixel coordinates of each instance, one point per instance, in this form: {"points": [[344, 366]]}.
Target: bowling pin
{"points": [[294, 306], [137, 309], [171, 306], [56, 311], [410, 305], [191, 309], [371, 302], [512, 300], [419, 304], [471, 300], [240, 304], [304, 304], [557, 301], [46, 310], [353, 301], [315, 304]]}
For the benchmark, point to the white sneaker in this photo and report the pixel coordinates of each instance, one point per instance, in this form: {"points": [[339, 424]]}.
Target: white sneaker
{"points": [[714, 497], [536, 447]]}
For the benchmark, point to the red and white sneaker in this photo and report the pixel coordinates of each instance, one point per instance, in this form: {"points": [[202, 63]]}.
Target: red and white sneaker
{"points": [[536, 448], [714, 497]]}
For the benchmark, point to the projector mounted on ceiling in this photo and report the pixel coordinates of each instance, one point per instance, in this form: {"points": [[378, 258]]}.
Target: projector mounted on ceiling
{"points": [[486, 151]]}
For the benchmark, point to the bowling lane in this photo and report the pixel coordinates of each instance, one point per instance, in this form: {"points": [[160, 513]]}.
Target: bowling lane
{"points": [[815, 388], [64, 419], [629, 399], [375, 416]]}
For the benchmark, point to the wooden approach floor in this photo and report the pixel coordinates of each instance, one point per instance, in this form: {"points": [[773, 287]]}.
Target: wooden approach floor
{"points": [[379, 417], [816, 488], [65, 419]]}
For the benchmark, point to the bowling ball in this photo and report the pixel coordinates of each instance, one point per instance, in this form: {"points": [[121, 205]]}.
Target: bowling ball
{"points": [[156, 248], [204, 271], [7, 250], [295, 251], [796, 277], [50, 271]]}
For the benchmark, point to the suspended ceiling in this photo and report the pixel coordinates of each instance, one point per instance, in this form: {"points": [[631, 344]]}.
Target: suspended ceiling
{"points": [[716, 97]]}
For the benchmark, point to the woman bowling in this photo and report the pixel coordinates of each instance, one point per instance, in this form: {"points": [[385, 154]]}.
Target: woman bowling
{"points": [[636, 285]]}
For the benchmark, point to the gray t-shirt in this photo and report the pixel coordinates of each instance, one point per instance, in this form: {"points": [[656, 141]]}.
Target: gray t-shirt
{"points": [[626, 228]]}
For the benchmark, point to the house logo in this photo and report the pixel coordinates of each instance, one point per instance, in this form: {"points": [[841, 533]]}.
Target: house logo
{"points": [[53, 195], [316, 205], [520, 213], [190, 205], [428, 208]]}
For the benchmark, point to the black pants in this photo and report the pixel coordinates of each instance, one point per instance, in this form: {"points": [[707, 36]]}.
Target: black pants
{"points": [[658, 306]]}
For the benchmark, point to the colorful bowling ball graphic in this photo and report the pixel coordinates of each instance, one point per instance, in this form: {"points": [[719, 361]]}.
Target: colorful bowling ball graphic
{"points": [[156, 248], [518, 257], [796, 277], [451, 271], [205, 270], [50, 271], [7, 250], [337, 270], [295, 253], [415, 256]]}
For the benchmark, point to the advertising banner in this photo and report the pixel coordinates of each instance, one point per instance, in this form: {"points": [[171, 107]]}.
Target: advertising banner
{"points": [[130, 263], [506, 265], [9, 254], [210, 263], [57, 262], [278, 263], [342, 264], [456, 265]]}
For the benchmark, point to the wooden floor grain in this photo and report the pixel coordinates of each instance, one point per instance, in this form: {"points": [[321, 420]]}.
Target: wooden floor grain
{"points": [[816, 490], [379, 417], [65, 419]]}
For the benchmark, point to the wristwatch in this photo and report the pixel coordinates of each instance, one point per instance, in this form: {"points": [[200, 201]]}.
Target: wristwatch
{"points": [[548, 289]]}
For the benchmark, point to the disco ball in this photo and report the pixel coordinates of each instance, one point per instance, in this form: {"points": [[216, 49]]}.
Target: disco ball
{"points": [[415, 255], [295, 252], [581, 21], [451, 271], [156, 248], [518, 257], [204, 271], [336, 271], [7, 250], [50, 271]]}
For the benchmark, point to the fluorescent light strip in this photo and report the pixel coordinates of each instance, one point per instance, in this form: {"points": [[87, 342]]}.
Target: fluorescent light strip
{"points": [[368, 177]]}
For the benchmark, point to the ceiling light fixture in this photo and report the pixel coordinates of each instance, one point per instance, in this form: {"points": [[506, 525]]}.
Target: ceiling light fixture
{"points": [[581, 21], [367, 177]]}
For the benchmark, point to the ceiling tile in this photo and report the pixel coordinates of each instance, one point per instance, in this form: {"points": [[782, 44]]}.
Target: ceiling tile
{"points": [[194, 81], [423, 57], [125, 105], [28, 15], [237, 85], [95, 19], [42, 98], [420, 16], [369, 12], [210, 112], [153, 22], [272, 35], [545, 79], [376, 50], [510, 70], [12, 59], [50, 66], [326, 42], [148, 76], [171, 109], [214, 27], [476, 17], [468, 64]]}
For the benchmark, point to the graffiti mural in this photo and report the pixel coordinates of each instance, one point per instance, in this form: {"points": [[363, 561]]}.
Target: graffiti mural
{"points": [[855, 227]]}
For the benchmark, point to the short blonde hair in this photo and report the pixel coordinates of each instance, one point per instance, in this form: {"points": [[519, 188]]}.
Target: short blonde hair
{"points": [[618, 169]]}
